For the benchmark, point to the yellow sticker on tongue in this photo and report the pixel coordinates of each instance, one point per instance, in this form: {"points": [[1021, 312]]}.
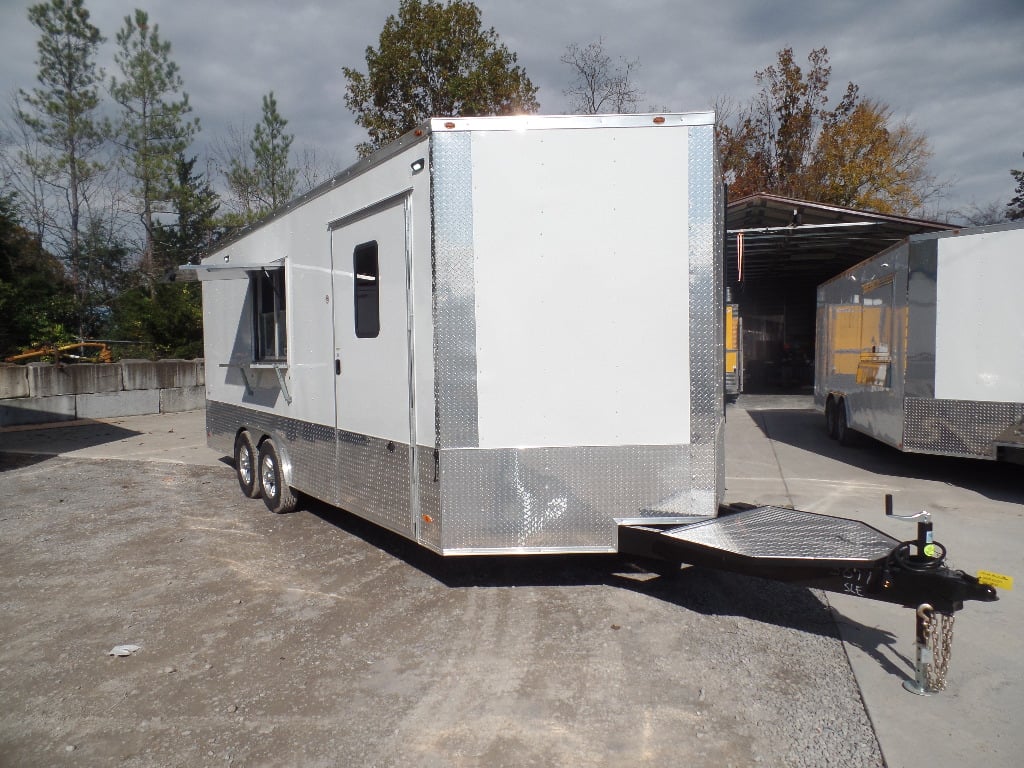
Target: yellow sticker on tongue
{"points": [[995, 579]]}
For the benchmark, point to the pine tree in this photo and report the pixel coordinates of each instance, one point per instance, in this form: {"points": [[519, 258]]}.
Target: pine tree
{"points": [[154, 127], [194, 204], [261, 179], [1015, 208], [61, 115]]}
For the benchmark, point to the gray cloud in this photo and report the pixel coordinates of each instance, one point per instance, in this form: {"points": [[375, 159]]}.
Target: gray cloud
{"points": [[954, 69]]}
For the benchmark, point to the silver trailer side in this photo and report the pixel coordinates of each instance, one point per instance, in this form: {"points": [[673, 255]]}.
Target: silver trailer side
{"points": [[498, 335], [922, 346]]}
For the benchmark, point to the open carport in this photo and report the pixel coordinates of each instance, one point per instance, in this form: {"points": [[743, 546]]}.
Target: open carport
{"points": [[778, 250]]}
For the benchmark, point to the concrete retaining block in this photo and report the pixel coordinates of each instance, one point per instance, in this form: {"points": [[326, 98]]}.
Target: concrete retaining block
{"points": [[45, 380], [162, 374], [182, 399], [13, 381], [36, 410], [110, 405]]}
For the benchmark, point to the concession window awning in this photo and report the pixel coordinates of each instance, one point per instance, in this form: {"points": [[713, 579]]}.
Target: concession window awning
{"points": [[227, 270]]}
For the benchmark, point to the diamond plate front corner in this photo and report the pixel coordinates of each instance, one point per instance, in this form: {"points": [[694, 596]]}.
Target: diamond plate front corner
{"points": [[454, 291], [707, 362]]}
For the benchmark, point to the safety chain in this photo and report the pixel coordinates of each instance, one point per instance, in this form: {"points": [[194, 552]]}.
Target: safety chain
{"points": [[939, 632]]}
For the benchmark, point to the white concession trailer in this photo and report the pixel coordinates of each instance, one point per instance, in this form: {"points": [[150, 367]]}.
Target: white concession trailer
{"points": [[505, 336], [922, 346], [496, 335]]}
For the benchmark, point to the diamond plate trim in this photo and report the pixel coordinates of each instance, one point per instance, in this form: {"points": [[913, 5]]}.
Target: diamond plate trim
{"points": [[309, 448], [429, 531], [707, 332], [557, 499], [367, 476], [956, 427], [455, 366], [779, 533]]}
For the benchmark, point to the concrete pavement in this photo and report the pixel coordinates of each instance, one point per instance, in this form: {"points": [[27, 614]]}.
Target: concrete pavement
{"points": [[177, 438], [781, 455], [777, 453]]}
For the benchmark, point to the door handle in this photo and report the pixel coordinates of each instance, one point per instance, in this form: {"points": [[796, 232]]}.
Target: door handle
{"points": [[337, 366]]}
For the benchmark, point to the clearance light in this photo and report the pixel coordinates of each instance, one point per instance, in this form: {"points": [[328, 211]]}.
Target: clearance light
{"points": [[418, 132], [659, 120], [449, 124], [427, 519]]}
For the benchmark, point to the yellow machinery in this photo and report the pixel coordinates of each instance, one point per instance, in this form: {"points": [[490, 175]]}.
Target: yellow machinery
{"points": [[733, 350], [102, 354]]}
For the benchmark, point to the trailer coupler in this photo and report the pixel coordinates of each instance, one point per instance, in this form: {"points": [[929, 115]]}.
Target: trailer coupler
{"points": [[830, 553]]}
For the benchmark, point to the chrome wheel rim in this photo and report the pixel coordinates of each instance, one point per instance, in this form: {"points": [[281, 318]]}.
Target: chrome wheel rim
{"points": [[269, 477], [245, 465]]}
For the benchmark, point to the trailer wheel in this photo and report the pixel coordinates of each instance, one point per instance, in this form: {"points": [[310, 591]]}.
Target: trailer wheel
{"points": [[278, 497], [831, 425], [245, 465], [844, 434]]}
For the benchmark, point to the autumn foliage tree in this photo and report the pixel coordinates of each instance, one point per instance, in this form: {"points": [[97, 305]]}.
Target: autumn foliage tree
{"points": [[789, 141], [434, 59]]}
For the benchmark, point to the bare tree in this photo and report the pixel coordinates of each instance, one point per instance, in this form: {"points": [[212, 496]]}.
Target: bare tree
{"points": [[23, 167], [315, 167], [598, 85], [979, 214], [230, 151]]}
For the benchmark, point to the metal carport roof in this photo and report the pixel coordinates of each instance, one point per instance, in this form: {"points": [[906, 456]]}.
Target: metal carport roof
{"points": [[804, 242]]}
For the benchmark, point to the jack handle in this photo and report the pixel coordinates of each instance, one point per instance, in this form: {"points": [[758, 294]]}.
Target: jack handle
{"points": [[925, 536]]}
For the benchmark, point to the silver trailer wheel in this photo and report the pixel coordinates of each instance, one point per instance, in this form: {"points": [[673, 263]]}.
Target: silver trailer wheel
{"points": [[278, 497], [245, 465]]}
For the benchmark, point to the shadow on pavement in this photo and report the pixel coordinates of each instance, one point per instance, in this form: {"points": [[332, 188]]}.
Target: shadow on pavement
{"points": [[805, 429], [9, 461], [57, 439], [700, 590]]}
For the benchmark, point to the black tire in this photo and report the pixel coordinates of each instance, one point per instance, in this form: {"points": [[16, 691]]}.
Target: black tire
{"points": [[831, 425], [245, 465], [278, 497], [844, 434]]}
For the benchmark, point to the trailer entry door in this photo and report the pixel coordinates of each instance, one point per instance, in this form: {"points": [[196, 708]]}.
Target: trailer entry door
{"points": [[372, 356]]}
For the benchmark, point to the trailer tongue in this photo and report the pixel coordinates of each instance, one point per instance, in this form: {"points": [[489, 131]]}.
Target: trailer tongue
{"points": [[831, 553]]}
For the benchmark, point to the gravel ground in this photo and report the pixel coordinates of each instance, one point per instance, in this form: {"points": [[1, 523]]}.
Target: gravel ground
{"points": [[316, 639]]}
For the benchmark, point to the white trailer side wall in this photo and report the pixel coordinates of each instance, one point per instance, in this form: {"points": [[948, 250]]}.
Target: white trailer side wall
{"points": [[303, 239], [979, 329]]}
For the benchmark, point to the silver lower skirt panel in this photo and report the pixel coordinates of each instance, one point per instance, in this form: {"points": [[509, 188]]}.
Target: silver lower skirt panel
{"points": [[965, 428], [474, 501]]}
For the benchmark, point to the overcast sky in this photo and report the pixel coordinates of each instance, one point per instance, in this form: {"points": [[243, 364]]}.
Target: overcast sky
{"points": [[955, 68]]}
